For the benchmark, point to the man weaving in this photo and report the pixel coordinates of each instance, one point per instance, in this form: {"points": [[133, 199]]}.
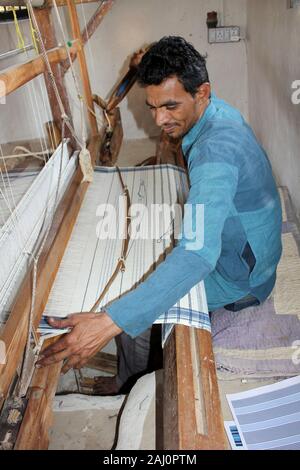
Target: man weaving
{"points": [[231, 176]]}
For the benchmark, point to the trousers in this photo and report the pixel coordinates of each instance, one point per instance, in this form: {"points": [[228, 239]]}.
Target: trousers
{"points": [[138, 356], [143, 354]]}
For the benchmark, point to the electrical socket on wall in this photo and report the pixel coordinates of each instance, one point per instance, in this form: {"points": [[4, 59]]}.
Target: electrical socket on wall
{"points": [[224, 34]]}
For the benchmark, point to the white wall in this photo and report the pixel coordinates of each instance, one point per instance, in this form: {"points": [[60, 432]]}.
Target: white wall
{"points": [[133, 23], [274, 63], [129, 25]]}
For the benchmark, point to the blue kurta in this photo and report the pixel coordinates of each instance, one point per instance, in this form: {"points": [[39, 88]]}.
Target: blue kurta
{"points": [[231, 176]]}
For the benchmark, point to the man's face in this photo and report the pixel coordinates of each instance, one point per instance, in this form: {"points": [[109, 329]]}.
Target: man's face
{"points": [[174, 110]]}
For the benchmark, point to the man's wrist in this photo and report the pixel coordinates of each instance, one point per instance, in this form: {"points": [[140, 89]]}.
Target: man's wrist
{"points": [[109, 322]]}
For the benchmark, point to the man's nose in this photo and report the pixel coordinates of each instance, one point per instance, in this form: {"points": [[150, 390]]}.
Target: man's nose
{"points": [[161, 116]]}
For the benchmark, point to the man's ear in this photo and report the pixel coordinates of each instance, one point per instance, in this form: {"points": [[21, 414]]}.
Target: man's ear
{"points": [[203, 93]]}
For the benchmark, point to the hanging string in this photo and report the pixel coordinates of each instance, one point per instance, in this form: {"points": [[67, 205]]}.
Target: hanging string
{"points": [[21, 42], [33, 35]]}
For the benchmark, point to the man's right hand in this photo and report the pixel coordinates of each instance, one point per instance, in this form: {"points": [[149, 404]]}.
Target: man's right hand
{"points": [[137, 57]]}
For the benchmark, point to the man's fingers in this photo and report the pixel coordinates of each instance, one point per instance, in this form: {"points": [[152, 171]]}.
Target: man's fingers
{"points": [[72, 362], [67, 322], [56, 357], [71, 320], [81, 363], [60, 345]]}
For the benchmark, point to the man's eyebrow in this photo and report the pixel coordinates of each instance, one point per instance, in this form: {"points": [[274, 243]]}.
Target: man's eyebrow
{"points": [[167, 103]]}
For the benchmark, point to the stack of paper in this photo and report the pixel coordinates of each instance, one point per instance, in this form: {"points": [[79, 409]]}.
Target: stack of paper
{"points": [[268, 417]]}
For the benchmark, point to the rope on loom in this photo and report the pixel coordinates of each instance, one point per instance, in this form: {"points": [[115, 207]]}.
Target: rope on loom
{"points": [[21, 42], [121, 261]]}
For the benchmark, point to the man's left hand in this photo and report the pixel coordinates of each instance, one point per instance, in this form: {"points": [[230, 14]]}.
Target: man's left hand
{"points": [[90, 333]]}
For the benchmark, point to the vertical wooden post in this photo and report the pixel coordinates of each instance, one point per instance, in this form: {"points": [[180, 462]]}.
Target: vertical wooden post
{"points": [[45, 24], [83, 66], [92, 25]]}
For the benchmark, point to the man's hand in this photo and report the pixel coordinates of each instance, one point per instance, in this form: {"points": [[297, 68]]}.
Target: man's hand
{"points": [[137, 57], [90, 333]]}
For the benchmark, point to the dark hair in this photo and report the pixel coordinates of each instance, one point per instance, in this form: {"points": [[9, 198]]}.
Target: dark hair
{"points": [[173, 56]]}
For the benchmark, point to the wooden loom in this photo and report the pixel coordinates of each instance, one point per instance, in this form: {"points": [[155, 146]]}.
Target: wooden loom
{"points": [[192, 411]]}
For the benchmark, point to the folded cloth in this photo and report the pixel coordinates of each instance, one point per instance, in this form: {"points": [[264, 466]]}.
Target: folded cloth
{"points": [[191, 311], [256, 342], [264, 341]]}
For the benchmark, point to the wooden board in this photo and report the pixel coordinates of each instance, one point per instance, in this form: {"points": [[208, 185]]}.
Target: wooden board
{"points": [[192, 410], [14, 77], [34, 430]]}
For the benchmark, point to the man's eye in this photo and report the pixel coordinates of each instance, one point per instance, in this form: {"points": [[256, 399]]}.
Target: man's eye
{"points": [[171, 106]]}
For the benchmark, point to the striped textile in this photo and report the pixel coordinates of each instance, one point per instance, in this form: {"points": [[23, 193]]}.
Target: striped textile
{"points": [[88, 262], [26, 212]]}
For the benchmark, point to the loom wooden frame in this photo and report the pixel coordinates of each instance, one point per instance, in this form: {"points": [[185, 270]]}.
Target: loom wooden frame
{"points": [[179, 384]]}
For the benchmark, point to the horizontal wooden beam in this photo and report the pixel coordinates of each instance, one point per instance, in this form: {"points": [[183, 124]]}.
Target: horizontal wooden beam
{"points": [[14, 77]]}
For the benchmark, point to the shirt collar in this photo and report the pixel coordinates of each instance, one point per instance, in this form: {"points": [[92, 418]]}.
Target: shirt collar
{"points": [[196, 130]]}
